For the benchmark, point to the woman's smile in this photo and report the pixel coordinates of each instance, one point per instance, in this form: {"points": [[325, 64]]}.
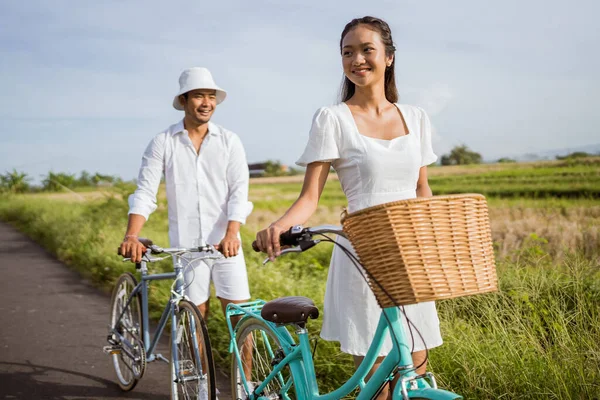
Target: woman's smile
{"points": [[361, 71]]}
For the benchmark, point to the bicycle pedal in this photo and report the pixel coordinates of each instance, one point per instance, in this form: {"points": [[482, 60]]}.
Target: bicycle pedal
{"points": [[111, 340], [111, 350]]}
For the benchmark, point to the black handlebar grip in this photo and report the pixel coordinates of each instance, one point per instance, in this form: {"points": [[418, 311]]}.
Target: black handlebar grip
{"points": [[289, 237], [119, 251], [255, 247]]}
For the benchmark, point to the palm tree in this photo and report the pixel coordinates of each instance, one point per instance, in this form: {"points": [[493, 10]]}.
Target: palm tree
{"points": [[56, 182], [15, 182]]}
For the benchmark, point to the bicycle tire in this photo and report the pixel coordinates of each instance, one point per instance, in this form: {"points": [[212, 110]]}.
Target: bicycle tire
{"points": [[189, 360], [265, 347], [129, 371]]}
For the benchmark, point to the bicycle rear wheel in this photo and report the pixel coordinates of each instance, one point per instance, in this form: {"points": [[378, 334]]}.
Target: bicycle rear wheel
{"points": [[195, 376], [257, 363], [128, 355]]}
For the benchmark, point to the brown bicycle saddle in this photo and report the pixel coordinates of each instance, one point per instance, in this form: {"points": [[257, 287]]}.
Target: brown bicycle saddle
{"points": [[290, 310]]}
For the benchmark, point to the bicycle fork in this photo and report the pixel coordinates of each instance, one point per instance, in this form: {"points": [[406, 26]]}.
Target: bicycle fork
{"points": [[185, 370]]}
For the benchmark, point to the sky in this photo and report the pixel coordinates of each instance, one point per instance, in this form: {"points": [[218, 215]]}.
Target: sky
{"points": [[85, 85]]}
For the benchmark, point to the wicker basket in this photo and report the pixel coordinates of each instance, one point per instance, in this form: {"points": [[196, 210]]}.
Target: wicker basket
{"points": [[425, 249]]}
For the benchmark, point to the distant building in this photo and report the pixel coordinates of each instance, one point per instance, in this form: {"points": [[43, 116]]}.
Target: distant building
{"points": [[257, 169], [271, 168]]}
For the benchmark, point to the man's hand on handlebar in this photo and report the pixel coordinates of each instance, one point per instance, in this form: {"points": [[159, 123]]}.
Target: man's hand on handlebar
{"points": [[229, 246], [132, 248]]}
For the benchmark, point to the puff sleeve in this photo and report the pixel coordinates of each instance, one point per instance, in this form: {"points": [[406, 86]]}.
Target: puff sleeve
{"points": [[427, 154], [324, 139]]}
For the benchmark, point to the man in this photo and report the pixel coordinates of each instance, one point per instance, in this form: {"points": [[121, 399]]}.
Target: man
{"points": [[206, 176]]}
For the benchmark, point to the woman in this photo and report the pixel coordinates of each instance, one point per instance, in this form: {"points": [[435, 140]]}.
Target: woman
{"points": [[380, 150]]}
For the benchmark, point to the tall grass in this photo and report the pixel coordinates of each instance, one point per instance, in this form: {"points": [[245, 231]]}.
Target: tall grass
{"points": [[538, 337]]}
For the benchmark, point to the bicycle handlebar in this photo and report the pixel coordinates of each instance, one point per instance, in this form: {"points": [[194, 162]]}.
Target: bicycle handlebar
{"points": [[301, 239], [288, 238], [154, 249]]}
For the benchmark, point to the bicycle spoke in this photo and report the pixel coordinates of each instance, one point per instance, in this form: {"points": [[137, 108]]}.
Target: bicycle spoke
{"points": [[259, 349], [128, 356]]}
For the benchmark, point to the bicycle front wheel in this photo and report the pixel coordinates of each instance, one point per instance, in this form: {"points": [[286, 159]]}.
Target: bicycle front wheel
{"points": [[429, 394], [193, 370], [128, 355], [260, 351]]}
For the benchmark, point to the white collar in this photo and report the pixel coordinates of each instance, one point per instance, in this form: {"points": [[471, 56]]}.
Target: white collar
{"points": [[213, 129]]}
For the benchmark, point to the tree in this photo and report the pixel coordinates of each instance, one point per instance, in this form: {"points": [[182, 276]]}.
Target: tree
{"points": [[506, 160], [15, 182], [576, 154], [274, 168], [85, 179], [56, 182], [461, 155], [99, 179]]}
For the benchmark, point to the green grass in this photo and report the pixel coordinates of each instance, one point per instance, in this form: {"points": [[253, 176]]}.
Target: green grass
{"points": [[537, 338]]}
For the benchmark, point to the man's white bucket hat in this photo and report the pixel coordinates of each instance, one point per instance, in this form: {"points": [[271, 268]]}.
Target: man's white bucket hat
{"points": [[197, 78]]}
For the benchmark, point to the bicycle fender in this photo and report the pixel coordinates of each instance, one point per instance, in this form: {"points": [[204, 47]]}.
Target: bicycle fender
{"points": [[428, 393]]}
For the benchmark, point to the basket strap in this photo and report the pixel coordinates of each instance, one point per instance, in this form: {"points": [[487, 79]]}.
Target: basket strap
{"points": [[343, 215]]}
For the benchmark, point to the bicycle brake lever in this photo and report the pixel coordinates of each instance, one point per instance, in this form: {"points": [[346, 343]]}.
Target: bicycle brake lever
{"points": [[154, 249], [209, 248], [296, 249]]}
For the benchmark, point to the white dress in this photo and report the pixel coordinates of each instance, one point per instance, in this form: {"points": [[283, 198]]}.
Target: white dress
{"points": [[371, 172]]}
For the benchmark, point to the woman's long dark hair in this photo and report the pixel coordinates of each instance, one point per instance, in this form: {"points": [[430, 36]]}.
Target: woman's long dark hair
{"points": [[348, 87]]}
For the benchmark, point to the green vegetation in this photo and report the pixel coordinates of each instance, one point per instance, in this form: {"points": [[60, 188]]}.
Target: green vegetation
{"points": [[506, 160], [461, 155], [537, 338], [571, 178], [14, 182], [576, 154], [56, 182], [18, 182]]}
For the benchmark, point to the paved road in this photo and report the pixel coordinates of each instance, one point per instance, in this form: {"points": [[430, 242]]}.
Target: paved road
{"points": [[52, 329]]}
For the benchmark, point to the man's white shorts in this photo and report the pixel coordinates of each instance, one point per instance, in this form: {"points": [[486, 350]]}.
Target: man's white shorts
{"points": [[229, 276]]}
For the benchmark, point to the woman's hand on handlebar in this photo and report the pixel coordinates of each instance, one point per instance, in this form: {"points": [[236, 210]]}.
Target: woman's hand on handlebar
{"points": [[267, 240], [134, 249]]}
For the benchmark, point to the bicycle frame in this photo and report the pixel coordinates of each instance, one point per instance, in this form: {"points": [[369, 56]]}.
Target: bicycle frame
{"points": [[299, 359]]}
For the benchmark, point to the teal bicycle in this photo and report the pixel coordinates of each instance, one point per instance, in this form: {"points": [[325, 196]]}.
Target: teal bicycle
{"points": [[282, 368]]}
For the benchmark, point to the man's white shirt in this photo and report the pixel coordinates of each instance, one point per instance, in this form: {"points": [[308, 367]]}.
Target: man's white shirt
{"points": [[204, 191]]}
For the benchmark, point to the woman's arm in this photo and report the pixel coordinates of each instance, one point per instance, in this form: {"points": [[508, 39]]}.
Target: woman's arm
{"points": [[315, 177], [423, 189]]}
